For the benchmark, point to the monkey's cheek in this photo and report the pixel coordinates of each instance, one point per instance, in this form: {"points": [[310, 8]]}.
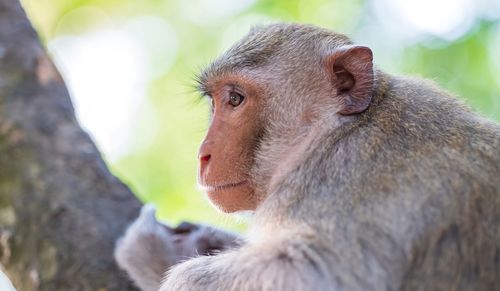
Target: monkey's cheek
{"points": [[233, 199]]}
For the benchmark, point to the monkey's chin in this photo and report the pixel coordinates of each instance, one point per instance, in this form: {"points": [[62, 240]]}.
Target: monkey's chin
{"points": [[239, 197]]}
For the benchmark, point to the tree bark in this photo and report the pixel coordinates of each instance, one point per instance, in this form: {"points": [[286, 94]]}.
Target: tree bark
{"points": [[61, 210]]}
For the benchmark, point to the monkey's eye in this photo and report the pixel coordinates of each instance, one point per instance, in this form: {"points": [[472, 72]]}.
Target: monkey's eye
{"points": [[235, 99]]}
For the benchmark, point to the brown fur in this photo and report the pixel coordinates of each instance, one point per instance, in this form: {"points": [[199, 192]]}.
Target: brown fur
{"points": [[404, 195]]}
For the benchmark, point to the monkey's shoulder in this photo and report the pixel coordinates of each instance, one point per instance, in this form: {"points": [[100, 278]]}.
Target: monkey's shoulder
{"points": [[423, 108]]}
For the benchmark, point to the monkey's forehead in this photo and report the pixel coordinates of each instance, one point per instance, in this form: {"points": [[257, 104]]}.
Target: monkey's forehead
{"points": [[264, 43]]}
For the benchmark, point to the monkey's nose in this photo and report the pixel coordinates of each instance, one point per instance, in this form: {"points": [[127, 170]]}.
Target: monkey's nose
{"points": [[204, 159]]}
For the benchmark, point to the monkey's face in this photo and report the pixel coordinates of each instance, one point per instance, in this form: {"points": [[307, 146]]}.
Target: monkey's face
{"points": [[226, 154], [270, 93]]}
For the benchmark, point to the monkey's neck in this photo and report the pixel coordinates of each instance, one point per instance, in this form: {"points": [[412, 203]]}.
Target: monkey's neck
{"points": [[312, 141]]}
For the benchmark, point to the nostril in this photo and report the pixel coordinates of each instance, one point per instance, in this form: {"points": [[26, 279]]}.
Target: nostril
{"points": [[205, 158]]}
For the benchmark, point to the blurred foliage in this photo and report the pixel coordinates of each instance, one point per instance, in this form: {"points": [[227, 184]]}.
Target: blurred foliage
{"points": [[162, 170]]}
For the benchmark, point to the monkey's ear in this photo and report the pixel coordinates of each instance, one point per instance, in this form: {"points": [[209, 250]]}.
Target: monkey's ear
{"points": [[351, 71]]}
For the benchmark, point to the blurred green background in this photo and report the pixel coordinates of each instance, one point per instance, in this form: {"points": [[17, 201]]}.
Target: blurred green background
{"points": [[129, 66]]}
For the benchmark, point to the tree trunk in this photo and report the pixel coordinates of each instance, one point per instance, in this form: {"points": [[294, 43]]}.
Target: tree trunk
{"points": [[61, 210]]}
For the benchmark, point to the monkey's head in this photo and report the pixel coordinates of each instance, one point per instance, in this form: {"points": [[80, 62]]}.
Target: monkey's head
{"points": [[268, 92]]}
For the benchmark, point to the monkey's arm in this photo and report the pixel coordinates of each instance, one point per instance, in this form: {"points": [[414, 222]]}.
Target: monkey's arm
{"points": [[149, 248], [291, 264]]}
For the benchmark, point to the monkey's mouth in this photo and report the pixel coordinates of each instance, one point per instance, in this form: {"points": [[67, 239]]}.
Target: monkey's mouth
{"points": [[216, 188]]}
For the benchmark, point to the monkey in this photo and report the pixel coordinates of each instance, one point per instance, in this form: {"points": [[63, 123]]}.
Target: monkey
{"points": [[357, 179]]}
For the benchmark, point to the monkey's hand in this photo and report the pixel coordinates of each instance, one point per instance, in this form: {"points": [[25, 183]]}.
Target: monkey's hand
{"points": [[149, 248]]}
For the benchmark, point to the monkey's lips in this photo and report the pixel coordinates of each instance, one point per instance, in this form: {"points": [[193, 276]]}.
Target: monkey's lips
{"points": [[221, 187], [231, 197]]}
